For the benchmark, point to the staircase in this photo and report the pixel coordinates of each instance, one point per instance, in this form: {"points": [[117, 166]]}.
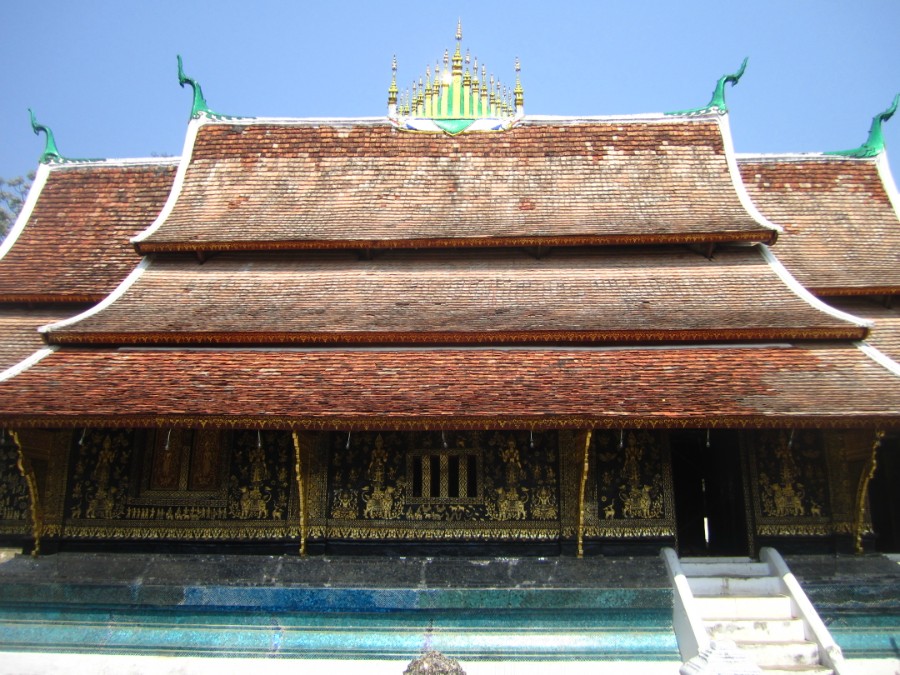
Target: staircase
{"points": [[756, 607]]}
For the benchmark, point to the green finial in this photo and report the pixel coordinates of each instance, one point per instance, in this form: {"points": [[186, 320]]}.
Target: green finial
{"points": [[200, 106], [717, 102], [51, 153], [875, 142]]}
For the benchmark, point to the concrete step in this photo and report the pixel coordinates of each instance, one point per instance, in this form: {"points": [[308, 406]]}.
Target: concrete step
{"points": [[717, 568], [744, 607], [755, 586], [773, 630], [724, 559], [798, 670], [781, 654]]}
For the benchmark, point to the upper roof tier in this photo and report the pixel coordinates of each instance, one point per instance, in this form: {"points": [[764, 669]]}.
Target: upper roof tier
{"points": [[459, 297], [842, 234], [71, 242], [267, 184]]}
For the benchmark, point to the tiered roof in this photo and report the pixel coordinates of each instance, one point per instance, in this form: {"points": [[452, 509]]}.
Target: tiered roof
{"points": [[73, 243], [70, 247], [561, 273]]}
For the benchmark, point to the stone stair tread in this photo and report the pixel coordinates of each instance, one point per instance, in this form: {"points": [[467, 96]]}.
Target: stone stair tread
{"points": [[781, 654], [717, 586], [716, 568], [752, 629], [793, 670], [728, 559]]}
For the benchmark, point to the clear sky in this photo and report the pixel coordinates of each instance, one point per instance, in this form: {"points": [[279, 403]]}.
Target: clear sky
{"points": [[102, 73]]}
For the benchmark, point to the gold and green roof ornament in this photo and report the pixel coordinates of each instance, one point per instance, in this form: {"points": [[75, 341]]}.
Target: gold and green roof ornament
{"points": [[455, 99], [51, 152], [199, 108], [874, 144], [717, 101]]}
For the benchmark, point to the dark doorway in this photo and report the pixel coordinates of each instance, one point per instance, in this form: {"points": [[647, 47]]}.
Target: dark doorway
{"points": [[708, 481], [884, 498]]}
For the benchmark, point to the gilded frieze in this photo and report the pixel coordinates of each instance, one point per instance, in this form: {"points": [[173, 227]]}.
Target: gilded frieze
{"points": [[442, 485], [182, 484]]}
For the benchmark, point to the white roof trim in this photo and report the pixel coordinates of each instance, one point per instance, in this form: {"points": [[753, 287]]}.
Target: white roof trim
{"points": [[40, 179], [385, 121], [103, 304], [177, 184], [25, 364], [797, 157], [736, 179], [879, 357], [801, 291], [120, 161], [887, 179]]}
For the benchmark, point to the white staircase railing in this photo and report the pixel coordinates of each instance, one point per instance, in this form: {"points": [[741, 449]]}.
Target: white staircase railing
{"points": [[686, 619], [829, 652], [698, 648]]}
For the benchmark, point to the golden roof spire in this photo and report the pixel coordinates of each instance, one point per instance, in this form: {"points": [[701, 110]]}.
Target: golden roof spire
{"points": [[392, 90], [519, 92], [456, 99]]}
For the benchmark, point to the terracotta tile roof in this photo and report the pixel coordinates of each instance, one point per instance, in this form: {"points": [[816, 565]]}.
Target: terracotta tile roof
{"points": [[294, 185], [769, 385], [19, 338], [75, 246], [885, 335], [483, 296], [841, 233]]}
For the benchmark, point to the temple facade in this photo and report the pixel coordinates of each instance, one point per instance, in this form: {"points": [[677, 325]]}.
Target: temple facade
{"points": [[456, 328]]}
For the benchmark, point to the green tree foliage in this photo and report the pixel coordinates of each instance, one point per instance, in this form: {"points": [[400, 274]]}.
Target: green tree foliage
{"points": [[12, 197]]}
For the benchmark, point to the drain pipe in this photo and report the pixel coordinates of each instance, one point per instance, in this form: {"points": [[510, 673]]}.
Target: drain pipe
{"points": [[830, 653]]}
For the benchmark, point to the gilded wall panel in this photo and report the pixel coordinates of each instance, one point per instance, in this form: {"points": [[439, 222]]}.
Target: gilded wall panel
{"points": [[182, 484], [442, 485], [632, 485], [14, 499], [789, 482], [849, 455]]}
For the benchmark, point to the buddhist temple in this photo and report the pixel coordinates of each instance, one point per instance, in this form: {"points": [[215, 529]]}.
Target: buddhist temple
{"points": [[458, 329]]}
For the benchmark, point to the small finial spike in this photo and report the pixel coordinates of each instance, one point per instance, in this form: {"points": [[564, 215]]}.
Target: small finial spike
{"points": [[459, 30]]}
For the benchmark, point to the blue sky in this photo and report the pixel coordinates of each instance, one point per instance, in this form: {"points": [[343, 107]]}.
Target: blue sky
{"points": [[102, 74]]}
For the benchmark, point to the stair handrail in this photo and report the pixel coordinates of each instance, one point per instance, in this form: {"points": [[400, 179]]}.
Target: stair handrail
{"points": [[689, 628], [830, 653]]}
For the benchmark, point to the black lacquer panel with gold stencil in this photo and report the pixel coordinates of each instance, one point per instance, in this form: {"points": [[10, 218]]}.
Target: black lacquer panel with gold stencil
{"points": [[789, 482], [632, 493], [443, 485], [14, 500], [182, 484]]}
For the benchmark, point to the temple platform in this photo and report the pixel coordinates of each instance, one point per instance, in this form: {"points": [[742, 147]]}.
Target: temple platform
{"points": [[105, 612]]}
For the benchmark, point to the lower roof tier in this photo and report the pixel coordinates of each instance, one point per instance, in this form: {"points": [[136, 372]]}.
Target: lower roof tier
{"points": [[461, 297], [19, 337], [774, 385], [885, 334]]}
